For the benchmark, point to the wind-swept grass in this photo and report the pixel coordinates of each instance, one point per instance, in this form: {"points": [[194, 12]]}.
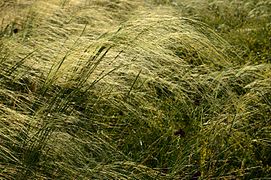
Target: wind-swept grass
{"points": [[244, 23], [133, 90]]}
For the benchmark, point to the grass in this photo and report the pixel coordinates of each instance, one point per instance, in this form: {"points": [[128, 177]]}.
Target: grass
{"points": [[135, 89]]}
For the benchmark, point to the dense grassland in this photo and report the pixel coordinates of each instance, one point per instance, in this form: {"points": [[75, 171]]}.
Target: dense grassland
{"points": [[135, 89]]}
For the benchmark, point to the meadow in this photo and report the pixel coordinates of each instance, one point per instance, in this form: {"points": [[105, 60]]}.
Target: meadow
{"points": [[135, 89]]}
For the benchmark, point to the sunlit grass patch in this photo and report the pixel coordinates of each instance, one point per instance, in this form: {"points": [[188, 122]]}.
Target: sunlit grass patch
{"points": [[134, 90]]}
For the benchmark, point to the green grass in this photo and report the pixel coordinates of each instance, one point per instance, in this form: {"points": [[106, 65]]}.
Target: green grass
{"points": [[125, 89]]}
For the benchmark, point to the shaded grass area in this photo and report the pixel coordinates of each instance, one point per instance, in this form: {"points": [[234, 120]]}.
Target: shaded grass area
{"points": [[245, 24], [134, 90]]}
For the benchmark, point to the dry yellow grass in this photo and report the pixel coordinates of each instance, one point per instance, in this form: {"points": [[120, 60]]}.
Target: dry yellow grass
{"points": [[125, 89]]}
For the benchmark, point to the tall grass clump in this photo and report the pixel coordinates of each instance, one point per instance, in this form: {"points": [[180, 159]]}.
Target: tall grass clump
{"points": [[245, 24], [129, 90]]}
